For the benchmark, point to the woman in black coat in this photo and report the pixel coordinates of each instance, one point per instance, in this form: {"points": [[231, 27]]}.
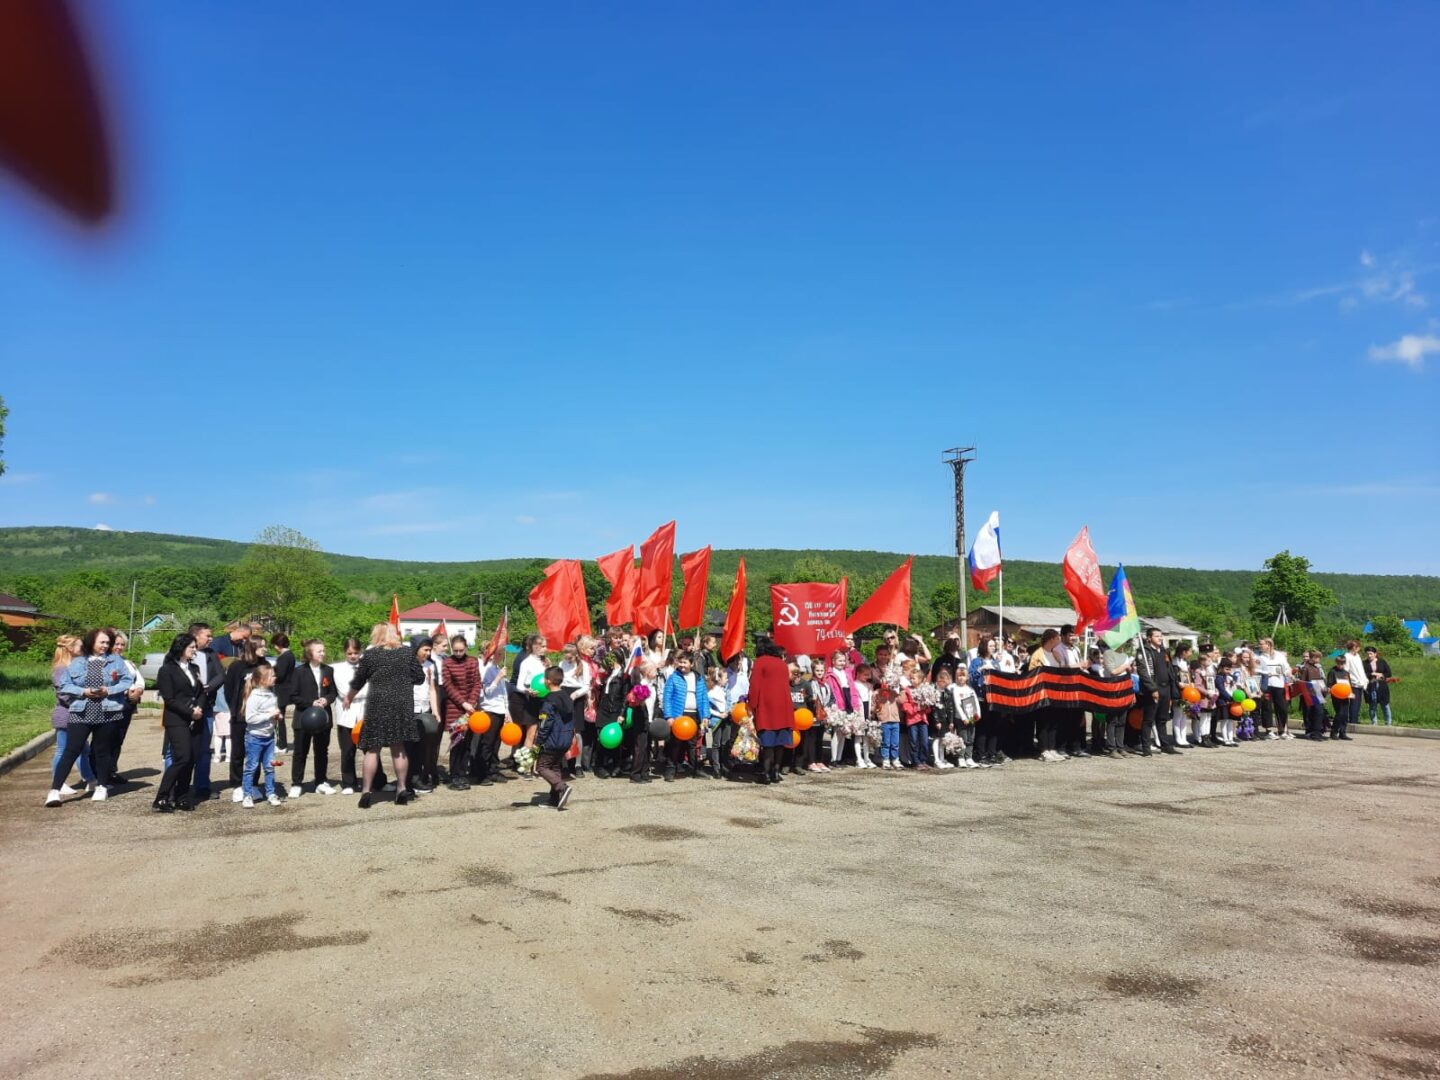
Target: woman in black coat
{"points": [[252, 656], [183, 693], [1377, 685]]}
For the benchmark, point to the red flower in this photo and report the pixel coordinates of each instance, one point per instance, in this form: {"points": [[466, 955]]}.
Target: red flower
{"points": [[324, 681], [114, 676]]}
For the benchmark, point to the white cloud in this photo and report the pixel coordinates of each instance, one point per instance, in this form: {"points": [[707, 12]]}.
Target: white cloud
{"points": [[525, 519], [100, 498], [1366, 259], [1384, 281], [1410, 350], [102, 527], [148, 500]]}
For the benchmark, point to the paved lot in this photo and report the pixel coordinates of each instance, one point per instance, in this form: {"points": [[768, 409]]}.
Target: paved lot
{"points": [[1269, 911]]}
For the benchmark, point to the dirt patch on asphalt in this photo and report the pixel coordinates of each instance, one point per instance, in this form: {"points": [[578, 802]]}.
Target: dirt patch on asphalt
{"points": [[1395, 909], [1158, 807], [1420, 1040], [608, 867], [750, 956], [1386, 948], [834, 949], [752, 822], [664, 918], [484, 877], [196, 954], [659, 832], [1154, 986], [872, 1057]]}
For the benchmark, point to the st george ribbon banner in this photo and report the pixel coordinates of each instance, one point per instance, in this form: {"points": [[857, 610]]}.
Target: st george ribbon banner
{"points": [[808, 617], [1058, 688]]}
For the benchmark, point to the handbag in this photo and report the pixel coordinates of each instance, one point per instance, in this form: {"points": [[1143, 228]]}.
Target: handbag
{"points": [[428, 724]]}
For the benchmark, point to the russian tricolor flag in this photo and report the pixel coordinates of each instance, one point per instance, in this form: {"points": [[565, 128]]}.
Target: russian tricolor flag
{"points": [[985, 554]]}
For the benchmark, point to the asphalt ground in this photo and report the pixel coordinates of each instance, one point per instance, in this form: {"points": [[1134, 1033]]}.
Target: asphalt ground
{"points": [[1271, 911]]}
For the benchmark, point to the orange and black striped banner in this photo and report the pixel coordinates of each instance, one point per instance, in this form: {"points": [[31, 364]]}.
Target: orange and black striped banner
{"points": [[1058, 688]]}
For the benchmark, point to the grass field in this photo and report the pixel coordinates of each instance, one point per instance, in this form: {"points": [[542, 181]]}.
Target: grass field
{"points": [[25, 703], [1415, 699]]}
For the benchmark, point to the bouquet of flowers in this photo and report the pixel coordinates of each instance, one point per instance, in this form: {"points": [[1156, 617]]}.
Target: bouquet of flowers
{"points": [[952, 743], [841, 721], [872, 732], [926, 695], [525, 758], [638, 695], [746, 746]]}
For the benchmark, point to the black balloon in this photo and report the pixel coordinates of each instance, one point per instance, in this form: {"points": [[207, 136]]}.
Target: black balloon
{"points": [[659, 729], [313, 719]]}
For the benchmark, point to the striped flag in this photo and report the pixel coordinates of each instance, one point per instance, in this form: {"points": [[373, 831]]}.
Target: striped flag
{"points": [[985, 554]]}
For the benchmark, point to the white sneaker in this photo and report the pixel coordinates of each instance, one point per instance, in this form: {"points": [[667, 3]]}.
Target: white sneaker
{"points": [[324, 789], [971, 763], [347, 791], [53, 798], [247, 802], [66, 789], [89, 786], [273, 800], [100, 794], [295, 791], [238, 794]]}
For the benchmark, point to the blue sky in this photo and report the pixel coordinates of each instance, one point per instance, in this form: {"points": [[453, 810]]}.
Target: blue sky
{"points": [[433, 281]]}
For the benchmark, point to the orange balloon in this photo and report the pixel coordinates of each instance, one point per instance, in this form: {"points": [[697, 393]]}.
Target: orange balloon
{"points": [[739, 712], [804, 718], [1236, 711], [682, 727], [355, 732], [1190, 694], [794, 739], [510, 733], [1340, 690], [479, 722]]}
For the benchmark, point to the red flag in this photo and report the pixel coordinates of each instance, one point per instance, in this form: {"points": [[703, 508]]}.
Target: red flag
{"points": [[1082, 582], [652, 591], [395, 612], [619, 570], [808, 617], [890, 603], [695, 573], [561, 613], [732, 641], [501, 637], [441, 629]]}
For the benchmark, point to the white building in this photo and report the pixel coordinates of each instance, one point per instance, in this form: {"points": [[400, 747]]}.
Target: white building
{"points": [[436, 617]]}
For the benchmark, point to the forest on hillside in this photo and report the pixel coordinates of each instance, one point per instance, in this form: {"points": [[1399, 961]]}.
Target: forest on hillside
{"points": [[84, 578]]}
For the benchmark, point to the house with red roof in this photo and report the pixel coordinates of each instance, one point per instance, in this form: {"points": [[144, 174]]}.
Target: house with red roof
{"points": [[437, 618]]}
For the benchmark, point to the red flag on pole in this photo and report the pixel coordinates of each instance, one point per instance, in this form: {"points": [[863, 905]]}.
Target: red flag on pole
{"points": [[619, 570], [732, 641], [890, 603], [561, 613], [500, 639], [807, 616], [695, 573], [1083, 583], [395, 611], [657, 570]]}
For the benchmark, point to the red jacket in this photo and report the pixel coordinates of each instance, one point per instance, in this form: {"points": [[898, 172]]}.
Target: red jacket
{"points": [[770, 695], [460, 679]]}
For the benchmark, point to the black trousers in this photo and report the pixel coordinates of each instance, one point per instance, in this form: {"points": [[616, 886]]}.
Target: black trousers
{"points": [[1155, 718], [346, 739], [1070, 730], [237, 748], [1045, 723], [122, 728], [101, 736], [183, 738], [484, 750], [1274, 707], [640, 749], [987, 733], [304, 741]]}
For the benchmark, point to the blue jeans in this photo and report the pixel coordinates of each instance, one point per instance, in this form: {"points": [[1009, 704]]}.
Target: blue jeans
{"points": [[919, 735], [1372, 695], [261, 752], [889, 742], [82, 762]]}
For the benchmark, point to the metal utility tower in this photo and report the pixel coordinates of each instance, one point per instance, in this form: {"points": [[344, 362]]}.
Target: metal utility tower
{"points": [[957, 457]]}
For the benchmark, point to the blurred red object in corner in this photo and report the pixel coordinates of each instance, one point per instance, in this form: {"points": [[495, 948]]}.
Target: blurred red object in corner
{"points": [[52, 129]]}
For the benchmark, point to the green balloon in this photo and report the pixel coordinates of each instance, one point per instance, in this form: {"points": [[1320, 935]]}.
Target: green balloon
{"points": [[538, 687], [610, 736], [1238, 696]]}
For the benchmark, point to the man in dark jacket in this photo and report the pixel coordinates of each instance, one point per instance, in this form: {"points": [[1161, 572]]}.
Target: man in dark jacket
{"points": [[1157, 691], [557, 732], [212, 677]]}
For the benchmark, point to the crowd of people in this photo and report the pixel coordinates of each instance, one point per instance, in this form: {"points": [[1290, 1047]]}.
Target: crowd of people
{"points": [[644, 707]]}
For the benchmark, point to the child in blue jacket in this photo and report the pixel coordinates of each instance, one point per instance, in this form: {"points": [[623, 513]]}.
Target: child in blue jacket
{"points": [[556, 733]]}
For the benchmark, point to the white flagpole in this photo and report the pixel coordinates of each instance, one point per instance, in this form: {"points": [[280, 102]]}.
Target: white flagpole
{"points": [[1002, 607]]}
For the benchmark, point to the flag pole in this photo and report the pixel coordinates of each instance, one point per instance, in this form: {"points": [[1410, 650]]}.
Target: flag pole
{"points": [[1002, 607]]}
